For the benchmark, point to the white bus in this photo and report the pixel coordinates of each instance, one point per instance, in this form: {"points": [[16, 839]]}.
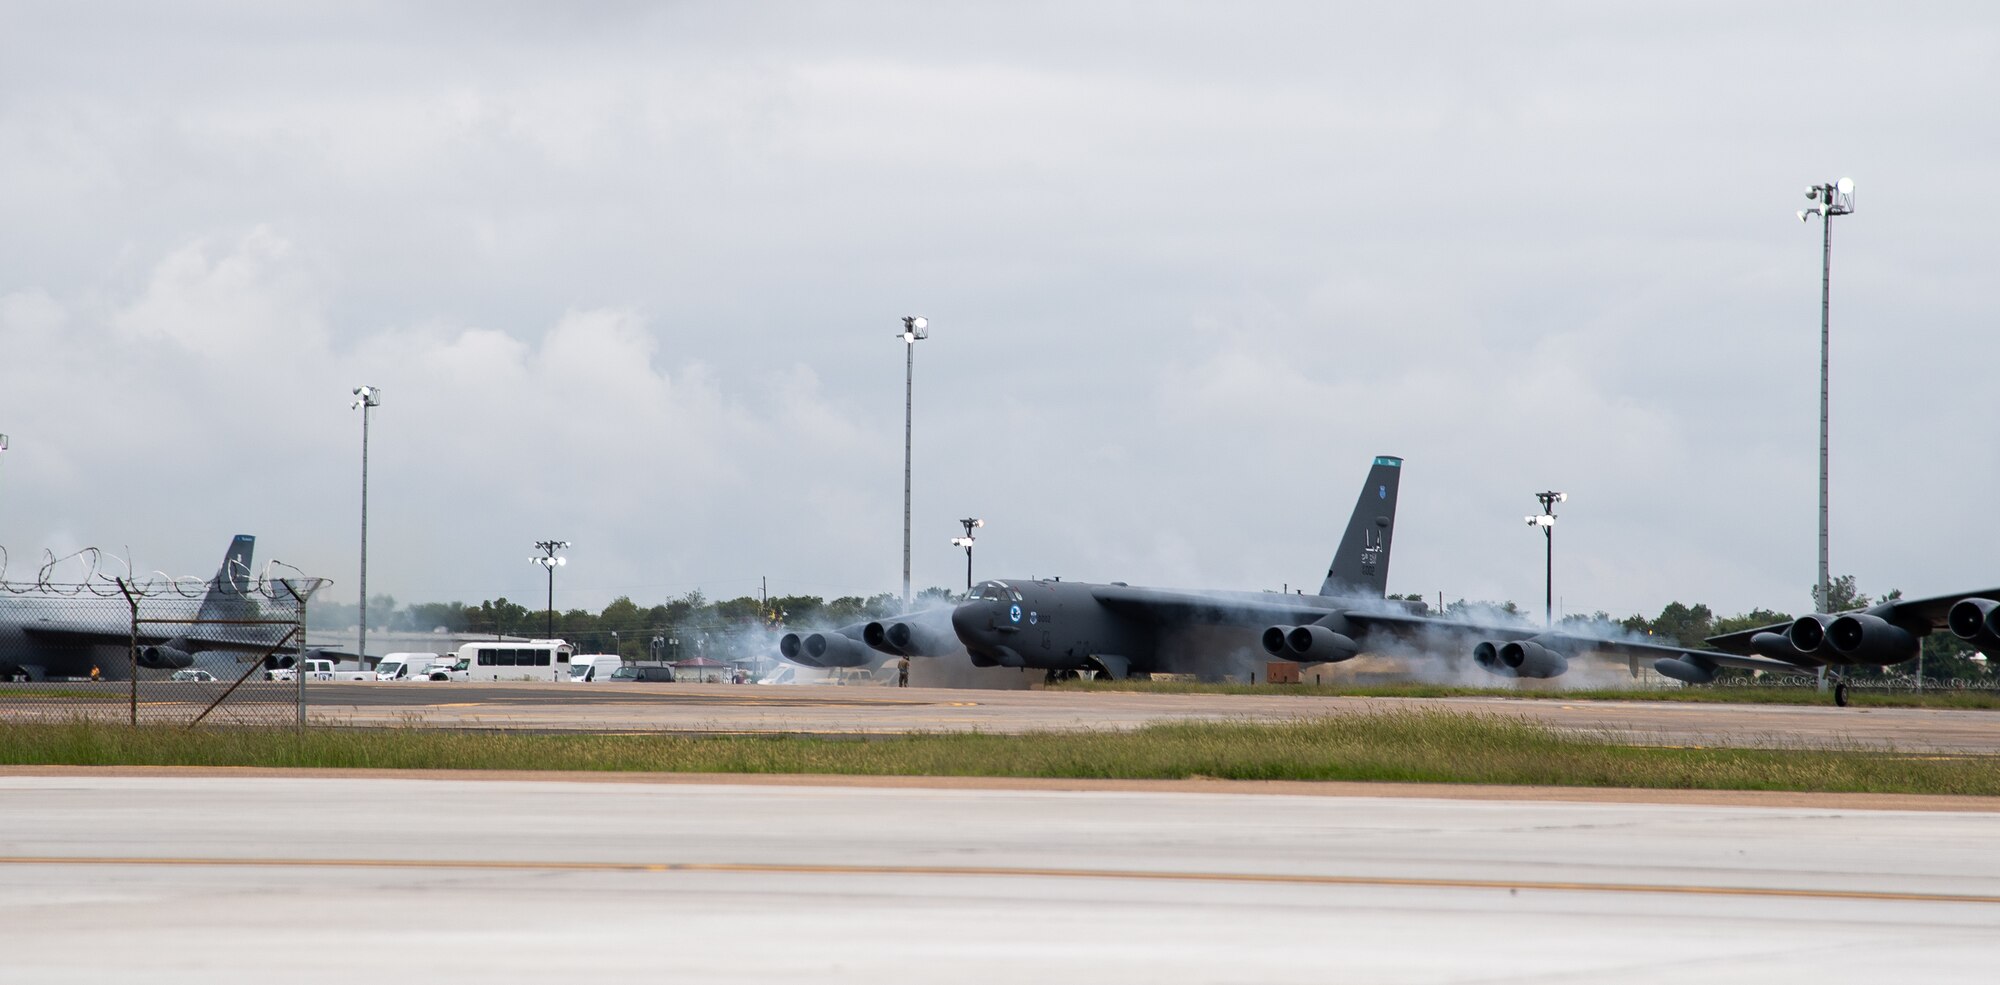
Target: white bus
{"points": [[535, 660]]}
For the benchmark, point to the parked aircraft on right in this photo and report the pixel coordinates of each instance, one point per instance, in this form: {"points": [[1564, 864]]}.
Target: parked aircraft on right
{"points": [[1880, 635]]}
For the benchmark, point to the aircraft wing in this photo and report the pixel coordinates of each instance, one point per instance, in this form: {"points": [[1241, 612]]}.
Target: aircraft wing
{"points": [[245, 639], [1410, 626], [1903, 612], [1165, 605], [1161, 606], [54, 635]]}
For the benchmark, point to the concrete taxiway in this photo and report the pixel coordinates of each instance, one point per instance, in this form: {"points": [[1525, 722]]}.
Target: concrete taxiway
{"points": [[830, 710], [876, 710], [171, 877]]}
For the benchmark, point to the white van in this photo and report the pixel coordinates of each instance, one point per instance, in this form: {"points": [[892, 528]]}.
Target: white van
{"points": [[593, 666], [534, 660], [406, 666]]}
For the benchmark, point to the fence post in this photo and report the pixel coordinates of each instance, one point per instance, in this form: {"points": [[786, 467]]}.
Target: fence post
{"points": [[299, 673], [132, 652]]}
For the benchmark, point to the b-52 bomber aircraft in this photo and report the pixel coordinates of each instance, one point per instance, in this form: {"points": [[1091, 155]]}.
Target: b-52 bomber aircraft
{"points": [[1880, 635], [1116, 630], [42, 638]]}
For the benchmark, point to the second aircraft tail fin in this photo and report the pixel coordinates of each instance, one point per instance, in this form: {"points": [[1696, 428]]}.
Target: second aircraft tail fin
{"points": [[1360, 569], [228, 593]]}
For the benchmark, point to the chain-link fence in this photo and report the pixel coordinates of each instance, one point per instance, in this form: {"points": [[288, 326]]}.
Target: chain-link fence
{"points": [[157, 651]]}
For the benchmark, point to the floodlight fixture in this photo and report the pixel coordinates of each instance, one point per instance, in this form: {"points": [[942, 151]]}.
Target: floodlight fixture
{"points": [[550, 561], [970, 524], [1546, 520]]}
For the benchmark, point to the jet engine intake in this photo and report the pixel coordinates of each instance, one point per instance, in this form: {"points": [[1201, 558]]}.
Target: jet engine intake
{"points": [[1317, 644], [1487, 656], [831, 650], [1808, 633], [919, 640], [876, 636], [1976, 621], [1871, 639], [1531, 658], [1520, 658], [164, 657]]}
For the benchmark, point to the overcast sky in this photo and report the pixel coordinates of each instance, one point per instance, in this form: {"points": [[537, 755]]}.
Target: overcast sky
{"points": [[630, 275]]}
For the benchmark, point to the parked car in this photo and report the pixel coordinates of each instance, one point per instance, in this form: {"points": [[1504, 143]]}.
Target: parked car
{"points": [[639, 672], [192, 675]]}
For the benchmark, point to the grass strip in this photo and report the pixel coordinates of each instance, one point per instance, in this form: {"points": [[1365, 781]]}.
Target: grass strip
{"points": [[1425, 746], [1535, 690]]}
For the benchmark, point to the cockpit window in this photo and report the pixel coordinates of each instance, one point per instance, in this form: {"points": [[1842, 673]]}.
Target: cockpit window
{"points": [[995, 591]]}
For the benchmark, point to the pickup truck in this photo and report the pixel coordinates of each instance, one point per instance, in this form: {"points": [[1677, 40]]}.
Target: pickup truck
{"points": [[318, 670]]}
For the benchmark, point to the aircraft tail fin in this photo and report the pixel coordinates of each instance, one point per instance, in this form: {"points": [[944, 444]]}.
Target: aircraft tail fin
{"points": [[228, 592], [1361, 567]]}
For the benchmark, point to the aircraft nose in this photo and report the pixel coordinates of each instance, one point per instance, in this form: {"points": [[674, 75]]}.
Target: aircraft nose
{"points": [[968, 619]]}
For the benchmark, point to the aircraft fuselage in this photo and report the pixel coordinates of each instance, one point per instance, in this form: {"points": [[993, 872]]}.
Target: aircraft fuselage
{"points": [[1046, 625]]}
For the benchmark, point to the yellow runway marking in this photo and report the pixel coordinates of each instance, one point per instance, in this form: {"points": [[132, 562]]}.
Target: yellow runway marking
{"points": [[760, 868]]}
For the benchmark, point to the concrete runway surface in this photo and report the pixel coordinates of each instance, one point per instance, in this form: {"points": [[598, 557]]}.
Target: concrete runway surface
{"points": [[168, 877], [878, 710]]}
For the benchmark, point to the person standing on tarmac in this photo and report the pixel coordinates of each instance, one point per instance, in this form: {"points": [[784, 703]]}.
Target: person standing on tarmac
{"points": [[902, 671]]}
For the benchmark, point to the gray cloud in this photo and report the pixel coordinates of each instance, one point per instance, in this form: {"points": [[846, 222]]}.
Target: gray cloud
{"points": [[629, 277]]}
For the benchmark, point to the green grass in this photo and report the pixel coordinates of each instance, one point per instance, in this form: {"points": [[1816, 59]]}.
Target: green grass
{"points": [[1407, 746], [65, 693], [1769, 695]]}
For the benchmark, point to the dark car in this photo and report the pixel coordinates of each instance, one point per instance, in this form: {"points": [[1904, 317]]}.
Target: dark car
{"points": [[636, 672]]}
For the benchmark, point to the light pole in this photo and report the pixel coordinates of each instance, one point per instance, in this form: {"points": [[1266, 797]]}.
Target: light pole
{"points": [[366, 398], [549, 560], [1546, 520], [915, 327], [966, 542], [1830, 199]]}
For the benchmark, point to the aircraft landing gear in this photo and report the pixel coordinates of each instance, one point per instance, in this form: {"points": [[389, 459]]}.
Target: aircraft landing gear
{"points": [[1090, 674], [1840, 694], [14, 674]]}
